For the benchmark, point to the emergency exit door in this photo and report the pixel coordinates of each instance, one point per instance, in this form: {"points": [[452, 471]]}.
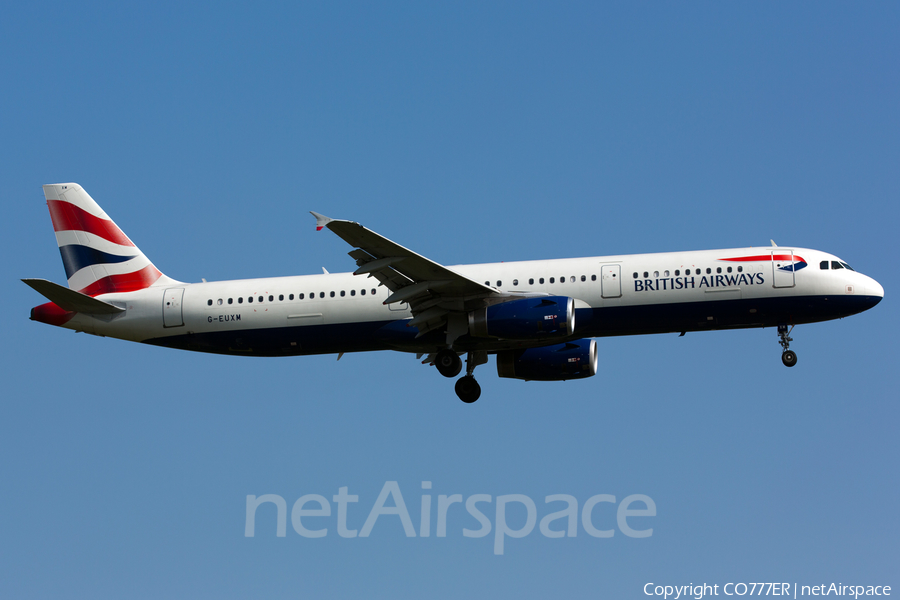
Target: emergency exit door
{"points": [[611, 281], [172, 315]]}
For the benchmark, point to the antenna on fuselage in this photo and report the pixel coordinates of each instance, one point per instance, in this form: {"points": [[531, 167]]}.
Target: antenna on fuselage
{"points": [[774, 245]]}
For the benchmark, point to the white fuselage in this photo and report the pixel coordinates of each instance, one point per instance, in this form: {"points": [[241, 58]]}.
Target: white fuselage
{"points": [[615, 295]]}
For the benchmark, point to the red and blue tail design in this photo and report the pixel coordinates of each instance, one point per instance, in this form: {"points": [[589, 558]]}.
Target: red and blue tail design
{"points": [[98, 257]]}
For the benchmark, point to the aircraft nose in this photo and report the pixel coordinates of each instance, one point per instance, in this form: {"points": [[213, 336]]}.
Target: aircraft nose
{"points": [[874, 289]]}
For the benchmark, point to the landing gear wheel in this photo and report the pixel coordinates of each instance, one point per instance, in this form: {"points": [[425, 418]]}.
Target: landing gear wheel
{"points": [[448, 363], [789, 358], [468, 389]]}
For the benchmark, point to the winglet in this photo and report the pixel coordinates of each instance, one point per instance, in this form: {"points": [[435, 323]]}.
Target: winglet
{"points": [[321, 220]]}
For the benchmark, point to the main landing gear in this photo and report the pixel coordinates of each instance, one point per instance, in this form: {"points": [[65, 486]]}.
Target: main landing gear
{"points": [[449, 364], [468, 389], [788, 356]]}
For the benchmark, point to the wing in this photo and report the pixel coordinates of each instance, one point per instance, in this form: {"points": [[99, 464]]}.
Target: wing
{"points": [[438, 297]]}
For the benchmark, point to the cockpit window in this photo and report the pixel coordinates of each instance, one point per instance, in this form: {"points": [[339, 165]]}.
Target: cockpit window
{"points": [[823, 265], [836, 265], [846, 266]]}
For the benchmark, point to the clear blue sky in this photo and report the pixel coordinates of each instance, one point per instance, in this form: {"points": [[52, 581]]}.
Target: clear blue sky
{"points": [[469, 132]]}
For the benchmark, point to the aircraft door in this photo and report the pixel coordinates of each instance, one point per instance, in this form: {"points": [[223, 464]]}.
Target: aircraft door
{"points": [[782, 268], [611, 281], [172, 315]]}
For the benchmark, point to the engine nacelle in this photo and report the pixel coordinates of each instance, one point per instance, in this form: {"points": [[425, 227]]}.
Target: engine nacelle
{"points": [[525, 319], [572, 360]]}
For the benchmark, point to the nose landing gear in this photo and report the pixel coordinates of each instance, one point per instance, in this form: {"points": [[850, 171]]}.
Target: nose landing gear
{"points": [[788, 356]]}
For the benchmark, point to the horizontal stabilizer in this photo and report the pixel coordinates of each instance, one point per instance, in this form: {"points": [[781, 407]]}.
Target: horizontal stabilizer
{"points": [[71, 300]]}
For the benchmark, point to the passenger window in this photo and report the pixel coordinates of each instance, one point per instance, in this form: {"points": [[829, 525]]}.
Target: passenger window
{"points": [[836, 265], [677, 272], [708, 271], [583, 278], [541, 280], [635, 275], [291, 297], [666, 274], [515, 282], [594, 277], [718, 269], [572, 279], [343, 293], [363, 292], [740, 269], [728, 269], [331, 294], [219, 302], [646, 274], [373, 291], [531, 281], [352, 292], [240, 299], [321, 294], [499, 283], [209, 302], [552, 279], [271, 299], [281, 296], [250, 299], [656, 273], [231, 301], [300, 296]]}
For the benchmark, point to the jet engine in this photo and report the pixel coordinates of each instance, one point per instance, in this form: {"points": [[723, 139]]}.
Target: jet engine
{"points": [[525, 319], [571, 360]]}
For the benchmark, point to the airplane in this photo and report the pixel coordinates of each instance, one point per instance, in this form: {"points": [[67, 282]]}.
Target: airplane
{"points": [[538, 317]]}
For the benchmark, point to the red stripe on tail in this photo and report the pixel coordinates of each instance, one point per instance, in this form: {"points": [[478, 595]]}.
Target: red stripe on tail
{"points": [[68, 217], [51, 314], [127, 282]]}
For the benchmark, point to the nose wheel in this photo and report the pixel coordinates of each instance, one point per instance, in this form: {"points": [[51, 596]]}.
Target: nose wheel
{"points": [[788, 356]]}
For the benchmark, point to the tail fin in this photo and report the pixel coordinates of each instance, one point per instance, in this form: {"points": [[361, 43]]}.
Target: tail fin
{"points": [[98, 257]]}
